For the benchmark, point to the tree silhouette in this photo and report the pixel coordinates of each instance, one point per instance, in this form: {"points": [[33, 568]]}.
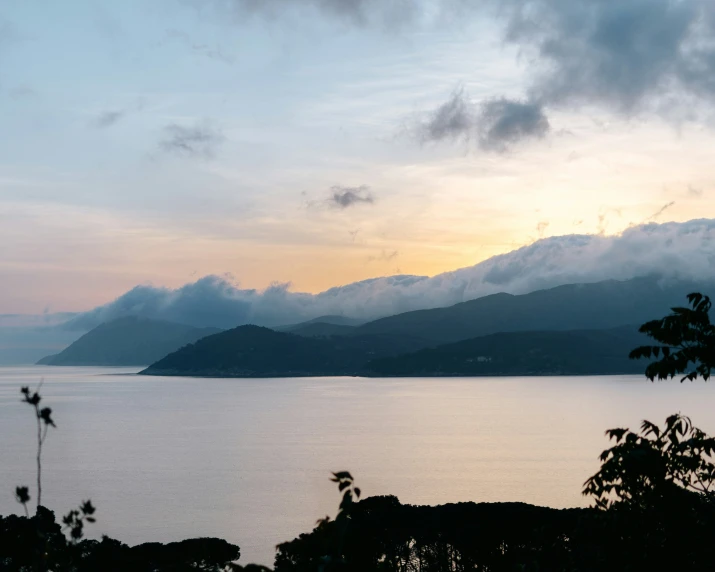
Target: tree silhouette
{"points": [[39, 543], [645, 469], [44, 422], [687, 342]]}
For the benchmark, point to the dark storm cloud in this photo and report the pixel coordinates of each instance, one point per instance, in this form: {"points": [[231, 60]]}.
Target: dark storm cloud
{"points": [[199, 140], [346, 197], [504, 122], [615, 52], [496, 124]]}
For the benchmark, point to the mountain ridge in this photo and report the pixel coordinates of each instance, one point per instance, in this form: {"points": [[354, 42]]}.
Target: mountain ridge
{"points": [[531, 353], [545, 325], [596, 305], [127, 341], [257, 351]]}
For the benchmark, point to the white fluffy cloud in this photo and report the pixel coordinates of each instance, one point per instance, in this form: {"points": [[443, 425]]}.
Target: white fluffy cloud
{"points": [[672, 250]]}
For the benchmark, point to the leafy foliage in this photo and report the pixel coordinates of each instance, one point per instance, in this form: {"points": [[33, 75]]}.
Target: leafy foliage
{"points": [[38, 543], [74, 520], [44, 422], [687, 342], [655, 466], [331, 556], [351, 493], [387, 536], [21, 539], [22, 495]]}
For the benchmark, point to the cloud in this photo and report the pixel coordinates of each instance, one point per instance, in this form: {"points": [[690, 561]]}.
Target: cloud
{"points": [[111, 117], [22, 92], [214, 53], [496, 124], [454, 119], [619, 53], [672, 250], [694, 191], [200, 140], [8, 33], [359, 12], [660, 211], [346, 197], [25, 338], [625, 55], [29, 321], [603, 216], [504, 122], [108, 118], [384, 256], [541, 228]]}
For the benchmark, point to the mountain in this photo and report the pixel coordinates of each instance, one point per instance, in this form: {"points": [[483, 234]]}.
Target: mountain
{"points": [[332, 320], [322, 329], [576, 352], [598, 305], [127, 341], [573, 329], [254, 351]]}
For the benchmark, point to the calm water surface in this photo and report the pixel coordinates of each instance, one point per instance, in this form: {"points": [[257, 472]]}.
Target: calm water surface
{"points": [[249, 460]]}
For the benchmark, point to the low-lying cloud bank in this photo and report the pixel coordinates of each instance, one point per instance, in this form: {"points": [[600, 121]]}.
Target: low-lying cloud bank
{"points": [[673, 250], [25, 338]]}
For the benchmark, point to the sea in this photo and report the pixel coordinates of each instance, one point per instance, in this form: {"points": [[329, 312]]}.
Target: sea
{"points": [[249, 460]]}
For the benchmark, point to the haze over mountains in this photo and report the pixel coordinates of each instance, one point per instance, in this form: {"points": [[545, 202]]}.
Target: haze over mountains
{"points": [[606, 304], [127, 341], [574, 329], [674, 251]]}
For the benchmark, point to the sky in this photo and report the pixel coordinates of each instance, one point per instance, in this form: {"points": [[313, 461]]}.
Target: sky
{"points": [[293, 146]]}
